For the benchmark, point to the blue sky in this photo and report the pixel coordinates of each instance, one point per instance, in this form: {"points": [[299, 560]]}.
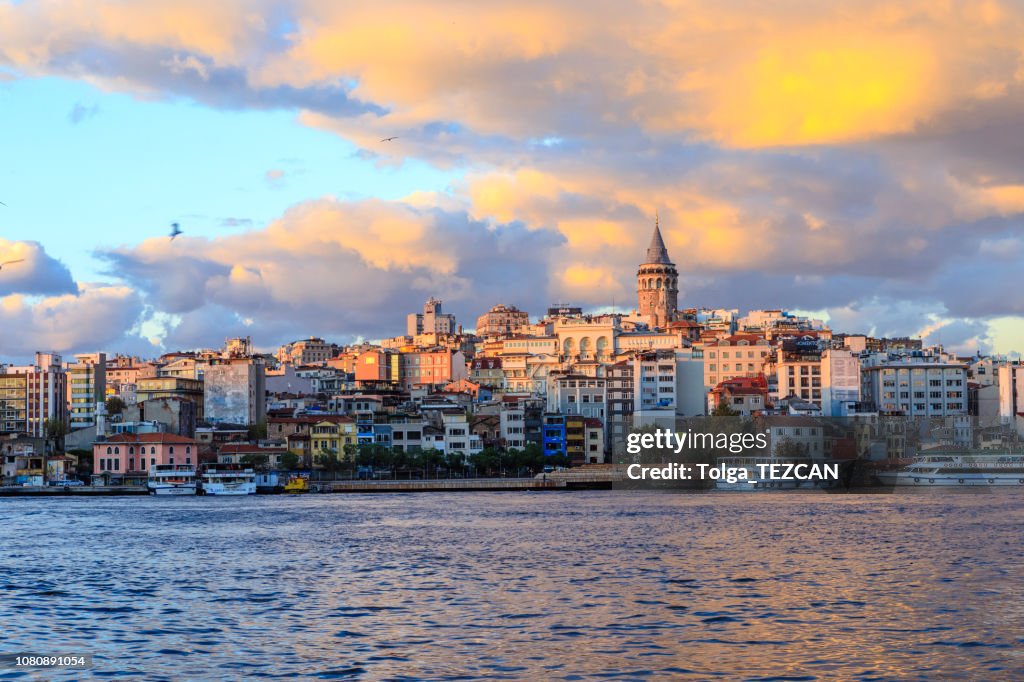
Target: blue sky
{"points": [[131, 166]]}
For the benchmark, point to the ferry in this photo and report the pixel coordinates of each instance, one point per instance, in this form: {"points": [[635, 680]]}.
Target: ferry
{"points": [[172, 479], [228, 482], [744, 473], [959, 470]]}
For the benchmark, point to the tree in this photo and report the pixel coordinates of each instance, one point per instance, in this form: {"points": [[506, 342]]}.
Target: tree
{"points": [[255, 461], [290, 461], [115, 405], [724, 410], [258, 431], [787, 447], [487, 461], [56, 429], [350, 451], [329, 460]]}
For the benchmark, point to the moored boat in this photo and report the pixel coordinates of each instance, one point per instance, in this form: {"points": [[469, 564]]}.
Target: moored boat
{"points": [[948, 469], [227, 481], [297, 484], [172, 479]]}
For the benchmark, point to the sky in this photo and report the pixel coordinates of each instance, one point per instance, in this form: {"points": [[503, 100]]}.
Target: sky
{"points": [[858, 160]]}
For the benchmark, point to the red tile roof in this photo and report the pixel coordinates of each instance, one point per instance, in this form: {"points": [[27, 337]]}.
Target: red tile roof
{"points": [[247, 448], [150, 438]]}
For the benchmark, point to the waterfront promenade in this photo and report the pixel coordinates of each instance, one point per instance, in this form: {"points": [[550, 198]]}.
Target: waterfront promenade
{"points": [[550, 482]]}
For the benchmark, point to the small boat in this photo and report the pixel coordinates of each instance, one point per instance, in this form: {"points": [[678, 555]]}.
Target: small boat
{"points": [[297, 484], [227, 481], [172, 479]]}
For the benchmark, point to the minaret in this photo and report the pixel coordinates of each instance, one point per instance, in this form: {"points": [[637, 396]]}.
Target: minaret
{"points": [[657, 283]]}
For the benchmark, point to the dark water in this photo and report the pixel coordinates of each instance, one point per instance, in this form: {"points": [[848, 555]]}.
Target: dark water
{"points": [[537, 586]]}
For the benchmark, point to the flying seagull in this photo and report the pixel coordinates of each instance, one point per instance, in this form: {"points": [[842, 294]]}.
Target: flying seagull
{"points": [[2, 203], [175, 231], [11, 262], [388, 139]]}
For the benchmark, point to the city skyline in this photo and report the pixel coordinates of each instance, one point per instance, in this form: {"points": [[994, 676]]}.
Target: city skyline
{"points": [[856, 162]]}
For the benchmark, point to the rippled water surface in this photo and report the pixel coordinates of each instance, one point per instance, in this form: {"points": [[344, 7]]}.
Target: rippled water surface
{"points": [[538, 586]]}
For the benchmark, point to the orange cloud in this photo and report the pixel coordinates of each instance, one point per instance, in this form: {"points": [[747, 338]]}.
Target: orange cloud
{"points": [[821, 87]]}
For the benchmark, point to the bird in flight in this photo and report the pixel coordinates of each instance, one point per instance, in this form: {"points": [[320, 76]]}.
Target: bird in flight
{"points": [[175, 231], [388, 139], [11, 262], [2, 203]]}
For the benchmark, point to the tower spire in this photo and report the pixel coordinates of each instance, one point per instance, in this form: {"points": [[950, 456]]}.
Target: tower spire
{"points": [[656, 252]]}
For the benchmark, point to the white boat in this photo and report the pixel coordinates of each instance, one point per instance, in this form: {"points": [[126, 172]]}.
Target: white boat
{"points": [[228, 482], [745, 474], [949, 469], [172, 479]]}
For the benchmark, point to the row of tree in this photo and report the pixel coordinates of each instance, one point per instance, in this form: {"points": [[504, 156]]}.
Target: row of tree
{"points": [[430, 462]]}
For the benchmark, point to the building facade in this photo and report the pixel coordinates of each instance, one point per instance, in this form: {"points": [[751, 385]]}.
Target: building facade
{"points": [[87, 386], [431, 321], [502, 320], [235, 391], [45, 394]]}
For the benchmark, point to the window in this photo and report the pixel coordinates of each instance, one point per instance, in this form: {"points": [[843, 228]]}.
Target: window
{"points": [[188, 449], [171, 450], [110, 450]]}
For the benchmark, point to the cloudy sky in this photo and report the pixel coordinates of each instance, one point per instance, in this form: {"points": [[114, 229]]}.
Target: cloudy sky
{"points": [[858, 159]]}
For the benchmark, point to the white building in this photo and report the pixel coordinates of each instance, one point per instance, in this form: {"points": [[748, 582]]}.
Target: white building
{"points": [[577, 394], [1011, 391], [87, 386], [917, 386], [512, 424], [431, 321], [458, 437], [840, 382]]}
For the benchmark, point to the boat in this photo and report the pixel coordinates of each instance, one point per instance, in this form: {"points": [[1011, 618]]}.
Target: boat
{"points": [[227, 481], [745, 473], [172, 479], [948, 469], [297, 484]]}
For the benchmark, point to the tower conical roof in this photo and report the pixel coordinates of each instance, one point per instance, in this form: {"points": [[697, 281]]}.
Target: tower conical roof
{"points": [[656, 252]]}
